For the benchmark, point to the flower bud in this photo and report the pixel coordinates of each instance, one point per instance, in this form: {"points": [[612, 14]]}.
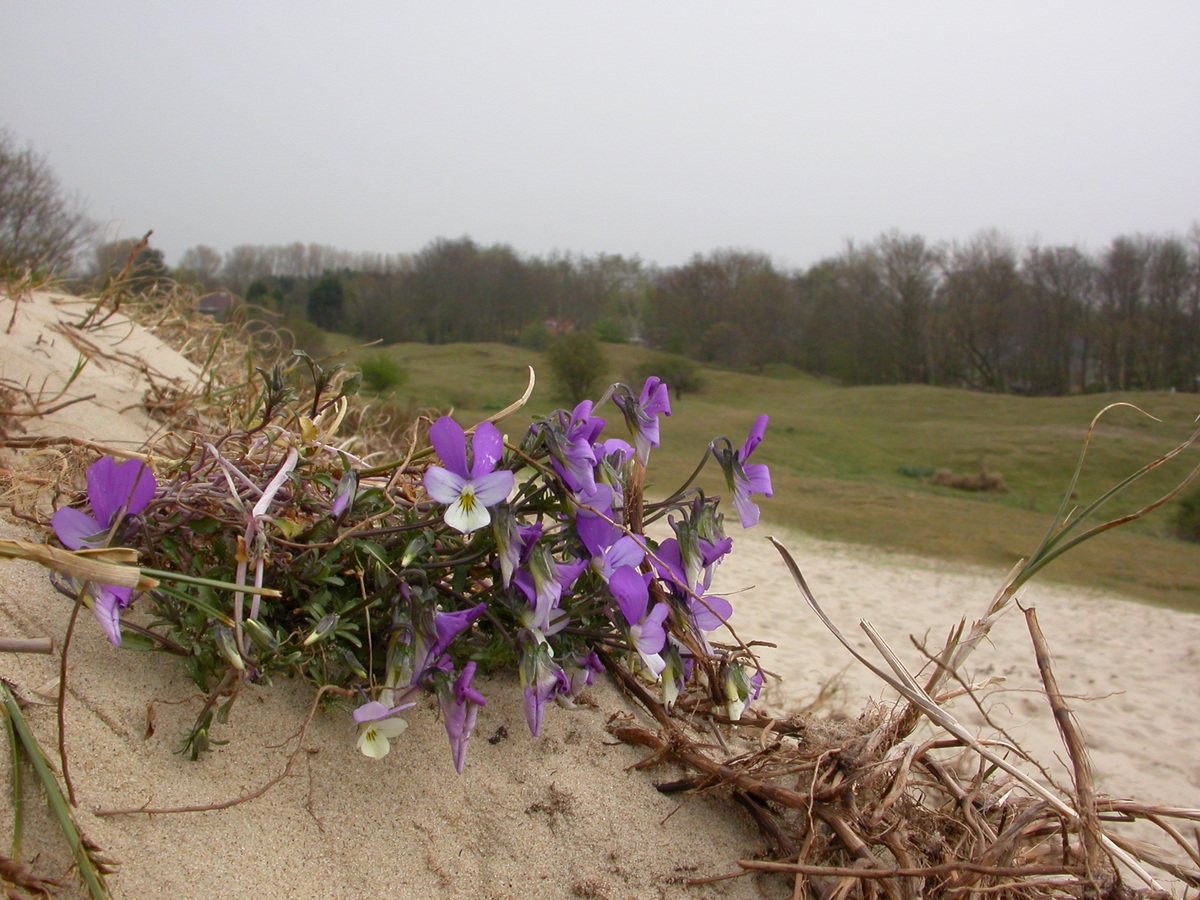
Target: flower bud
{"points": [[228, 647], [323, 629]]}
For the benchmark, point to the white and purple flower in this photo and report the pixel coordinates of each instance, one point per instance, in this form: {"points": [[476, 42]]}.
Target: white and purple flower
{"points": [[467, 490]]}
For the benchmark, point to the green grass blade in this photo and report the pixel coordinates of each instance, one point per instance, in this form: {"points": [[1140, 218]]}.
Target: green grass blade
{"points": [[92, 878], [17, 785]]}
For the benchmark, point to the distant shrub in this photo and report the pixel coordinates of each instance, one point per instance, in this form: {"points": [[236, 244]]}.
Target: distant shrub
{"points": [[981, 481], [610, 331], [578, 364], [916, 471], [1187, 517], [381, 373], [679, 373], [304, 336]]}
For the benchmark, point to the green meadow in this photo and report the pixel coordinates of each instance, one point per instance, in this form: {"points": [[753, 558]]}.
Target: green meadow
{"points": [[847, 463]]}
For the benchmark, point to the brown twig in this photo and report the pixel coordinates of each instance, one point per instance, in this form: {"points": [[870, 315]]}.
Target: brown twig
{"points": [[252, 795], [1085, 793], [27, 645]]}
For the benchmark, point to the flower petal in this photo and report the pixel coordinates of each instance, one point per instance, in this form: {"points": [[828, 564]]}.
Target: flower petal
{"points": [[443, 485], [107, 606], [487, 447], [112, 487], [467, 514], [494, 487], [448, 440], [758, 480], [629, 588], [757, 430], [710, 613], [77, 530]]}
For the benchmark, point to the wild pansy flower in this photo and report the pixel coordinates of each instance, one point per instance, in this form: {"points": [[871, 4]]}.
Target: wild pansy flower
{"points": [[708, 613], [744, 479], [739, 689], [581, 672], [612, 467], [114, 491], [641, 415], [377, 725], [570, 442], [430, 647], [543, 581], [343, 494], [646, 632], [467, 491], [541, 678], [460, 708], [692, 571], [608, 547]]}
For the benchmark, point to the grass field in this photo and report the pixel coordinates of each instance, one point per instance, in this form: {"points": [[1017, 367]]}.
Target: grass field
{"points": [[838, 457]]}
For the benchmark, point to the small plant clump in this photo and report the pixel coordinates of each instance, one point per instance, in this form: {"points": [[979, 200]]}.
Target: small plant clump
{"points": [[277, 551], [982, 481]]}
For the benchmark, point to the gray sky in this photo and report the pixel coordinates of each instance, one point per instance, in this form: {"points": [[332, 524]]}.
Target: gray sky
{"points": [[656, 129]]}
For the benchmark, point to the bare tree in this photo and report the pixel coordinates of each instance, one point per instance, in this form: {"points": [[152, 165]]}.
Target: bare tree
{"points": [[41, 227], [203, 264]]}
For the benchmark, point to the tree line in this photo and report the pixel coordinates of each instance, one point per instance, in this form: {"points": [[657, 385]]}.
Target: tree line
{"points": [[983, 313]]}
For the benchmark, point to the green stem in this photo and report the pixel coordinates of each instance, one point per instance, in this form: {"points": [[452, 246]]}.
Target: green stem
{"points": [[181, 578]]}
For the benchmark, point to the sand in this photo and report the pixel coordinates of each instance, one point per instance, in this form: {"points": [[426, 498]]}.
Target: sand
{"points": [[559, 816]]}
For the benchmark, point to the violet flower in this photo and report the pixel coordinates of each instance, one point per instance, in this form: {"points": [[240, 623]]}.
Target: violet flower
{"points": [[641, 415], [543, 582], [467, 491], [446, 627], [744, 479], [646, 631], [541, 678], [460, 707], [571, 445], [114, 491], [740, 690], [608, 547]]}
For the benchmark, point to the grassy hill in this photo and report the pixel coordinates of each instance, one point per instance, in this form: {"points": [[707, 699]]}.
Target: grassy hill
{"points": [[839, 458]]}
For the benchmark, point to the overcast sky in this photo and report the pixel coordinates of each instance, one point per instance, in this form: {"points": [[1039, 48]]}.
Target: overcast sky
{"points": [[655, 129]]}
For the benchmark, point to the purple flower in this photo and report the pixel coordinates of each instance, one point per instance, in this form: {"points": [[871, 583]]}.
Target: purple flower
{"points": [[113, 490], [460, 707], [542, 582], [571, 445], [743, 479], [582, 672], [542, 678], [691, 570], [343, 494], [446, 627], [709, 612], [641, 415], [608, 546], [646, 631], [467, 491], [107, 603]]}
